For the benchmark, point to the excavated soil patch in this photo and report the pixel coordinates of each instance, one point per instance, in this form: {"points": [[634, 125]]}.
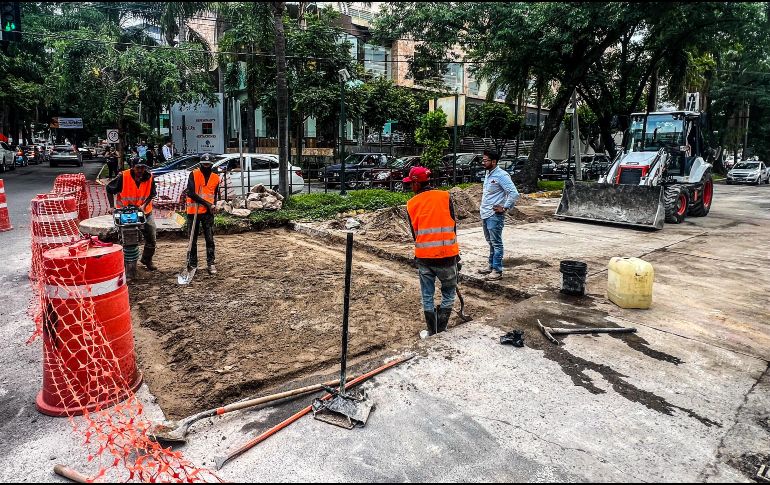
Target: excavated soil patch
{"points": [[392, 226], [272, 315]]}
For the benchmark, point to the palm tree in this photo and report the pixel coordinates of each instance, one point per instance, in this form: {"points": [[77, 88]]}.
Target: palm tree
{"points": [[282, 94]]}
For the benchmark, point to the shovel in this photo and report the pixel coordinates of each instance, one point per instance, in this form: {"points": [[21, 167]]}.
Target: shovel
{"points": [[176, 431], [186, 275]]}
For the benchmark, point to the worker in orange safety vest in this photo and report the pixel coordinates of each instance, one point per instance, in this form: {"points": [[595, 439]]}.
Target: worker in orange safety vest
{"points": [[434, 229], [136, 187], [202, 194]]}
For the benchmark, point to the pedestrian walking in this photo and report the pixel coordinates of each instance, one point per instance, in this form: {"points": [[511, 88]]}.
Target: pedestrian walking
{"points": [[141, 150], [168, 152], [136, 186], [150, 156], [434, 229], [498, 197], [112, 163], [202, 194]]}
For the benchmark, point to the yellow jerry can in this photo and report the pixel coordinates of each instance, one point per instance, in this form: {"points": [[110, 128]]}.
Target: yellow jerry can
{"points": [[629, 282]]}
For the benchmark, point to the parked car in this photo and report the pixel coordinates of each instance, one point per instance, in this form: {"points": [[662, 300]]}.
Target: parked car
{"points": [[358, 170], [7, 155], [35, 154], [260, 168], [594, 166], [468, 165], [65, 154], [178, 163], [748, 173], [392, 177], [548, 170]]}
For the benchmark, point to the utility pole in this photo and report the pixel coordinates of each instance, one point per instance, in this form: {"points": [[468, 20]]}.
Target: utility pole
{"points": [[746, 135], [576, 130]]}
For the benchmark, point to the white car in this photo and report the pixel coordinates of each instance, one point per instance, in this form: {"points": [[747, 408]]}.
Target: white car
{"points": [[749, 172], [7, 155], [259, 168]]}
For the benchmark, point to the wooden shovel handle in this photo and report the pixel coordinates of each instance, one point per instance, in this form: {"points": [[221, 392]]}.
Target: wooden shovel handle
{"points": [[274, 397]]}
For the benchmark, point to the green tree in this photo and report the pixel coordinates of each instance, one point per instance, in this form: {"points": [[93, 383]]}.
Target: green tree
{"points": [[432, 134], [247, 57], [513, 41], [494, 120]]}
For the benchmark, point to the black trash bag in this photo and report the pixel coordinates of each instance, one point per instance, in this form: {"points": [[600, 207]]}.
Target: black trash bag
{"points": [[515, 338]]}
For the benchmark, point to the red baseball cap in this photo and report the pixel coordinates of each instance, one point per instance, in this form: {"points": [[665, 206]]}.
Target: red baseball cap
{"points": [[418, 174]]}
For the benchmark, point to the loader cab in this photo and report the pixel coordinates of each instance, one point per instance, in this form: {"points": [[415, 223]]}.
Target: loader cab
{"points": [[677, 131]]}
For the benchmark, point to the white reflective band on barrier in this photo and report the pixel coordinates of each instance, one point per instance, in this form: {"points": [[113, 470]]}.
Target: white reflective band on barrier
{"points": [[85, 291], [2, 190], [55, 239], [3, 205], [67, 216]]}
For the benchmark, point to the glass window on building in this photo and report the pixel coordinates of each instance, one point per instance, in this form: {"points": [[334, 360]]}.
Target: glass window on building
{"points": [[453, 78], [377, 60]]}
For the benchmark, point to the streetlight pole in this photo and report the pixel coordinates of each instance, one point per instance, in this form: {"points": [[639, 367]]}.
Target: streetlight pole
{"points": [[342, 138]]}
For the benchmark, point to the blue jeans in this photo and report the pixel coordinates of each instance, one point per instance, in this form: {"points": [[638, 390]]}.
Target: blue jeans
{"points": [[448, 277], [493, 233]]}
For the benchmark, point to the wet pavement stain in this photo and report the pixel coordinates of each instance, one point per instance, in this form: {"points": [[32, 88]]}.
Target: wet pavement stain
{"points": [[562, 311]]}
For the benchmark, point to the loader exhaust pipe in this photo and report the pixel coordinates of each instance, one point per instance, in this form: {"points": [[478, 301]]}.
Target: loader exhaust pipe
{"points": [[630, 205]]}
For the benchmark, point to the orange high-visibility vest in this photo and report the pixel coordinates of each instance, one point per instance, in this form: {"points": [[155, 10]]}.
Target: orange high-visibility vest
{"points": [[434, 228], [133, 194], [206, 190]]}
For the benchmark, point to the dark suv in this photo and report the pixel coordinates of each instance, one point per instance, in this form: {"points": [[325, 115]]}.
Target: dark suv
{"points": [[358, 170]]}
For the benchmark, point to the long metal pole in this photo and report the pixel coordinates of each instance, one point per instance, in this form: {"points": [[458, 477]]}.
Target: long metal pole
{"points": [[576, 129], [454, 136], [343, 130], [240, 144], [345, 311]]}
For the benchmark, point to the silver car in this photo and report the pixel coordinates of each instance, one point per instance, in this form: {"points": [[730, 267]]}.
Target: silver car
{"points": [[748, 172]]}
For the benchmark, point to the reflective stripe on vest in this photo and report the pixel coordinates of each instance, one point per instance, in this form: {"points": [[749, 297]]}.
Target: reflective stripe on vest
{"points": [[205, 190], [133, 195], [433, 225]]}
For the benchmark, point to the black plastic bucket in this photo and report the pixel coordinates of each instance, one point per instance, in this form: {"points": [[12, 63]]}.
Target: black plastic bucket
{"points": [[573, 277]]}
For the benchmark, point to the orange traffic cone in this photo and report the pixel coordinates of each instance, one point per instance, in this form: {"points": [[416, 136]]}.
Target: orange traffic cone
{"points": [[5, 220]]}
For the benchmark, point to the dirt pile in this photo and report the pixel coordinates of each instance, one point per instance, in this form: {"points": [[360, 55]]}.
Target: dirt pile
{"points": [[387, 225], [467, 203], [273, 314]]}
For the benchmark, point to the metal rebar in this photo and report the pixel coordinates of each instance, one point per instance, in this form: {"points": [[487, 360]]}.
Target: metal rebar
{"points": [[346, 310]]}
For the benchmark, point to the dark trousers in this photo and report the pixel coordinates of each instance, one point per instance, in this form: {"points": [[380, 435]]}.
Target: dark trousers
{"points": [[112, 167], [150, 239], [207, 222]]}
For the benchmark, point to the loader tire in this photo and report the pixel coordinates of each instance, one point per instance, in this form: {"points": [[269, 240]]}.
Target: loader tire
{"points": [[676, 200], [702, 206]]}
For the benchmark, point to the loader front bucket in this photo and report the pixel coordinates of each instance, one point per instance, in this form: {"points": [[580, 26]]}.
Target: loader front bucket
{"points": [[633, 205]]}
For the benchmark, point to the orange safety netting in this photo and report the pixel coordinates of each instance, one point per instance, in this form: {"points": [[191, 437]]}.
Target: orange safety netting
{"points": [[81, 312]]}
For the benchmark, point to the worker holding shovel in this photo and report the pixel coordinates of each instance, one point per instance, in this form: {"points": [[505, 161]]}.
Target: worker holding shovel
{"points": [[434, 228], [201, 197]]}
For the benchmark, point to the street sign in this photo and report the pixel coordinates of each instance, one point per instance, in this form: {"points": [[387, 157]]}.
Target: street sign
{"points": [[112, 136], [693, 102]]}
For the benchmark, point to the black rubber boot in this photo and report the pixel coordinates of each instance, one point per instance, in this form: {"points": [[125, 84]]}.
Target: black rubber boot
{"points": [[443, 318], [430, 322]]}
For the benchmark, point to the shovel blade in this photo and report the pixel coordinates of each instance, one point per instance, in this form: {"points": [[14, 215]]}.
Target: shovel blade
{"points": [[185, 277], [345, 412], [630, 205]]}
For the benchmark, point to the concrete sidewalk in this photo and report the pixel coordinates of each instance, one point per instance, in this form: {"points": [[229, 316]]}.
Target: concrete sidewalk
{"points": [[687, 398]]}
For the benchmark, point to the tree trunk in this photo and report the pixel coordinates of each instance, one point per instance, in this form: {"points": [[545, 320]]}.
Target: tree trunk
{"points": [[652, 95], [121, 144], [605, 130], [282, 97], [543, 141]]}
